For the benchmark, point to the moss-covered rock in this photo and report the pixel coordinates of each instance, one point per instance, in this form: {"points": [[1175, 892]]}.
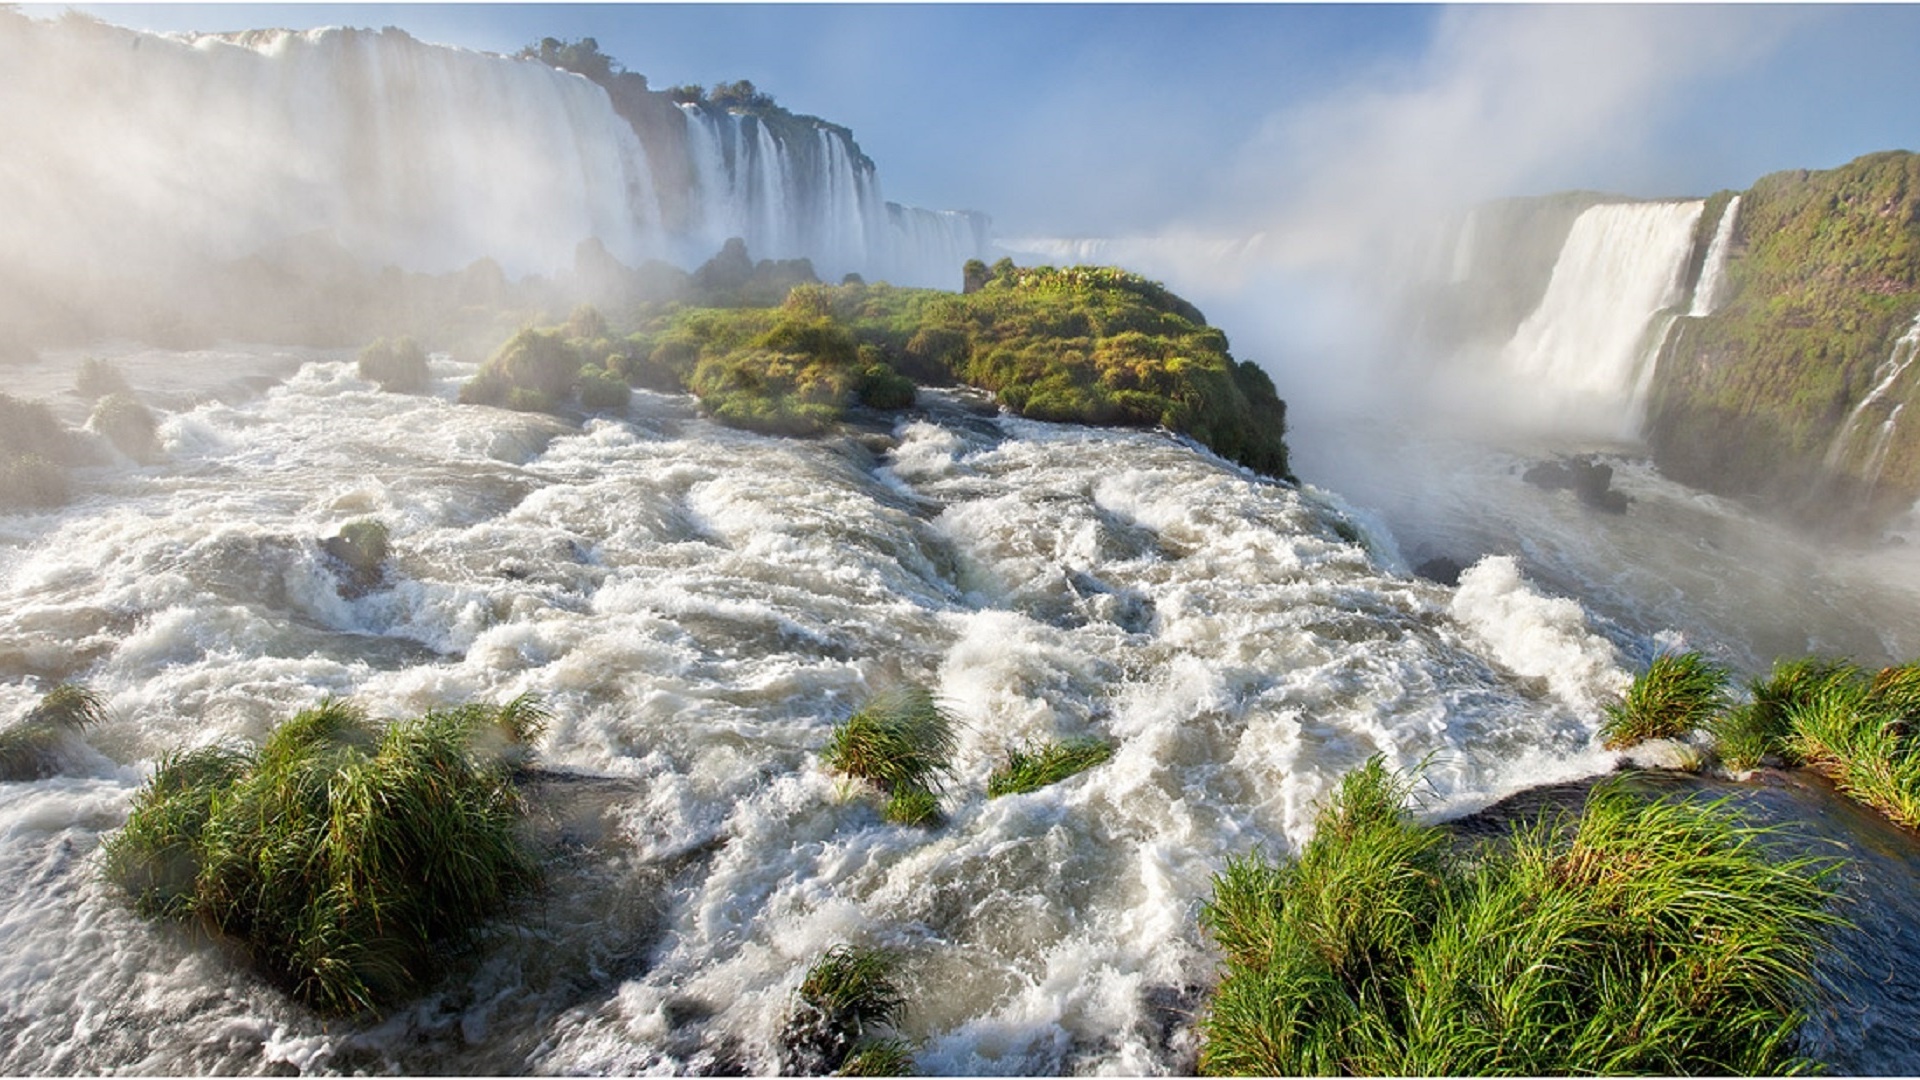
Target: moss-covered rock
{"points": [[1783, 394], [1088, 345]]}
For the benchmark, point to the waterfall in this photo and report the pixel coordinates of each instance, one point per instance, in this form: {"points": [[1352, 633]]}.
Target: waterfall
{"points": [[1887, 376], [151, 152], [1706, 295], [1583, 356]]}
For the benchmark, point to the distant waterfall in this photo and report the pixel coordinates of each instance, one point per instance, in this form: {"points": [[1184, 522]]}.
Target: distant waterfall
{"points": [[1706, 294], [1583, 356], [149, 150], [1863, 439]]}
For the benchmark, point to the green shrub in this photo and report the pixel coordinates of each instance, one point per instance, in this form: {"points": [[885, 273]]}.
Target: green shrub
{"points": [[900, 742], [1030, 768], [845, 996], [1641, 936], [32, 748], [600, 390], [349, 856], [399, 367], [97, 378], [128, 424], [1676, 694], [880, 387], [532, 372]]}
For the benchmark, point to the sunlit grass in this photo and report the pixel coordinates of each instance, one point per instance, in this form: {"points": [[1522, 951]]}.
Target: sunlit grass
{"points": [[1676, 694], [901, 743], [1640, 936], [351, 856], [842, 1009], [1030, 768]]}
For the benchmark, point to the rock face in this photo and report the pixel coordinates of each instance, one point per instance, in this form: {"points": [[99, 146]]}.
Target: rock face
{"points": [[1770, 360], [1791, 392]]}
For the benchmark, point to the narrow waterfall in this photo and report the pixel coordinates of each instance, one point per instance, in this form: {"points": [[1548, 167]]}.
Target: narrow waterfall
{"points": [[1860, 429], [1706, 294], [1582, 357]]}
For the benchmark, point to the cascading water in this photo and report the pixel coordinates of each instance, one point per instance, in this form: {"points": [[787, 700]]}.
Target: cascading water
{"points": [[1860, 432], [699, 606], [420, 156], [1706, 294], [1582, 359]]}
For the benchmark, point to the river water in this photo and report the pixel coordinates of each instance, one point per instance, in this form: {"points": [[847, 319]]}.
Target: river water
{"points": [[699, 606]]}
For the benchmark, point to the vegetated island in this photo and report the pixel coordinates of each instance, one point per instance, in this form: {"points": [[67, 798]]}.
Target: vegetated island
{"points": [[1092, 345]]}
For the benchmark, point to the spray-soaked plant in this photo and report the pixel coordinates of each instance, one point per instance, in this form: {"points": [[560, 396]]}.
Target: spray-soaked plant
{"points": [[349, 856], [34, 747], [841, 1013], [1030, 768], [1676, 694], [400, 367], [900, 742]]}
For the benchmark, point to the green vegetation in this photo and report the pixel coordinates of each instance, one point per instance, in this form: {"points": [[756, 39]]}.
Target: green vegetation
{"points": [[900, 742], [1860, 729], [845, 997], [98, 378], [34, 452], [349, 856], [400, 367], [1761, 727], [1823, 277], [128, 424], [1675, 695], [32, 748], [1087, 345], [1638, 937], [1030, 768]]}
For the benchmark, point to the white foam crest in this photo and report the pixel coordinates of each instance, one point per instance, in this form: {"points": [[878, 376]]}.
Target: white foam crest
{"points": [[1542, 637], [699, 607]]}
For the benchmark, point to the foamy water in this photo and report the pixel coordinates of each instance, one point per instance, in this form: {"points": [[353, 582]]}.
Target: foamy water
{"points": [[699, 606]]}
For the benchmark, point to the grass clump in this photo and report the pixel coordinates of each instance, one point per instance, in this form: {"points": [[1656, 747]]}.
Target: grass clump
{"points": [[1640, 936], [900, 742], [348, 855], [1761, 727], [1676, 694], [847, 996], [1860, 733], [32, 749], [400, 367], [98, 378], [1034, 767], [128, 424]]}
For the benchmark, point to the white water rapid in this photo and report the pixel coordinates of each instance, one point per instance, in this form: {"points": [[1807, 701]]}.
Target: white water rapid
{"points": [[134, 152], [1582, 360], [699, 606]]}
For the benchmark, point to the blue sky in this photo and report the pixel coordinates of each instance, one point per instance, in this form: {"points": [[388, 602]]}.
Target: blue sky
{"points": [[1087, 120]]}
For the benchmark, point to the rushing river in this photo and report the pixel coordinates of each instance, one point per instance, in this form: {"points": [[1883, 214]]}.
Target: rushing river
{"points": [[699, 606]]}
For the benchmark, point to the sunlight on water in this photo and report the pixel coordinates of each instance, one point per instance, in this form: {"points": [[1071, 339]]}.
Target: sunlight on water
{"points": [[699, 606]]}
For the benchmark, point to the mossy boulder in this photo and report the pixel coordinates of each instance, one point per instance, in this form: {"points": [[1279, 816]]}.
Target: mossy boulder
{"points": [[1783, 394]]}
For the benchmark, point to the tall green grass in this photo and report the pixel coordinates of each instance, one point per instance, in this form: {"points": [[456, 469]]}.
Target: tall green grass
{"points": [[1030, 768], [901, 743], [1676, 694], [841, 1013], [32, 748], [1637, 937], [350, 856]]}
